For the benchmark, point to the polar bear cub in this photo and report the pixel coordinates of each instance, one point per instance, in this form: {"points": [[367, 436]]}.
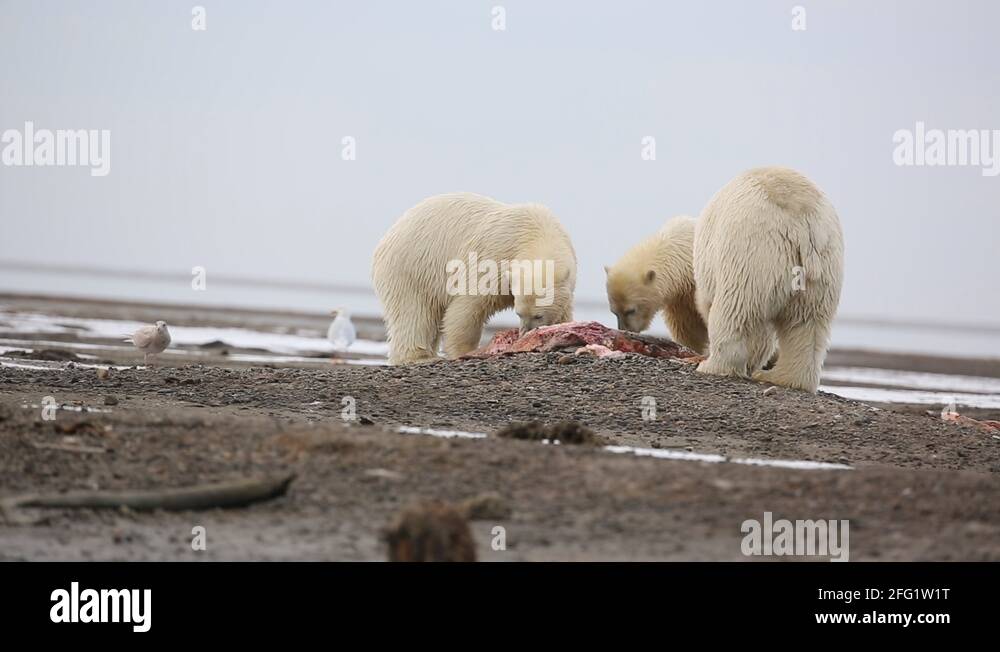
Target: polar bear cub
{"points": [[452, 261], [658, 274], [763, 273]]}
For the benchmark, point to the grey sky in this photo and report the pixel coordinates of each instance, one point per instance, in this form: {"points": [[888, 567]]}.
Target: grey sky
{"points": [[226, 143]]}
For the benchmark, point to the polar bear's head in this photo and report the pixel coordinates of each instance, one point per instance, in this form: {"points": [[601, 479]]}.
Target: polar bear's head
{"points": [[534, 311], [653, 272], [543, 293], [633, 297]]}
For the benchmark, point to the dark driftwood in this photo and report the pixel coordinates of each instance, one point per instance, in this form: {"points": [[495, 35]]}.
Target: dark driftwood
{"points": [[207, 496]]}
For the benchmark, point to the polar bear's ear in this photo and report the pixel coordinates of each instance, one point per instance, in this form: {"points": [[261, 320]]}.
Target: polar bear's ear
{"points": [[650, 275]]}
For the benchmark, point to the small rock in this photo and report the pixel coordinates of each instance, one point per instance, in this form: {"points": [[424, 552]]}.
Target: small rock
{"points": [[384, 474], [486, 507], [770, 390], [566, 432], [103, 373], [431, 531], [572, 432], [110, 400]]}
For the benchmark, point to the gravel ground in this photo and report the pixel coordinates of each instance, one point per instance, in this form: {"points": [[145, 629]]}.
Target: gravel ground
{"points": [[919, 488]]}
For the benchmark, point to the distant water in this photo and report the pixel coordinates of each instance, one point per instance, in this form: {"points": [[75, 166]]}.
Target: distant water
{"points": [[978, 343], [28, 331]]}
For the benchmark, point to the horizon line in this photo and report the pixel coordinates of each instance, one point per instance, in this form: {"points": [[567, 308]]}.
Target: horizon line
{"points": [[350, 288]]}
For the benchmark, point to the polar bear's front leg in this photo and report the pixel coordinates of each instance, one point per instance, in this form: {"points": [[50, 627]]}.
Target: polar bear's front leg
{"points": [[803, 349], [463, 325]]}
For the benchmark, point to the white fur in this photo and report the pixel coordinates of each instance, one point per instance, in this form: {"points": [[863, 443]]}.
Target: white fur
{"points": [[409, 271], [753, 238], [725, 282], [658, 274]]}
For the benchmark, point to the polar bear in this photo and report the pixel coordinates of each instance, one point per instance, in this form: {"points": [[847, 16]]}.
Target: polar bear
{"points": [[766, 267], [452, 261], [658, 274]]}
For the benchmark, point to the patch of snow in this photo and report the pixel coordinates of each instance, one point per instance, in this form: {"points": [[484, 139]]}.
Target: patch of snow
{"points": [[913, 379], [447, 434], [917, 397], [709, 458]]}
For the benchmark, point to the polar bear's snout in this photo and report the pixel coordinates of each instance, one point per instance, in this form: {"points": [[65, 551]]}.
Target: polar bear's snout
{"points": [[634, 320]]}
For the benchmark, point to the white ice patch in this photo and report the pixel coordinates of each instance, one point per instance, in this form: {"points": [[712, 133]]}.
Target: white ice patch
{"points": [[67, 408], [64, 345], [658, 453], [274, 359], [118, 329], [913, 379], [235, 357], [792, 464], [18, 365], [709, 458], [916, 397], [447, 434], [8, 349], [666, 454]]}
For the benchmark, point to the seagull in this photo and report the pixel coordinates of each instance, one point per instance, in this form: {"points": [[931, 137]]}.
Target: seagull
{"points": [[151, 340], [341, 332]]}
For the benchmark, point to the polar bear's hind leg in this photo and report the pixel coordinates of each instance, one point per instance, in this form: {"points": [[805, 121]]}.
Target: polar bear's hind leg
{"points": [[736, 348], [413, 334], [803, 350]]}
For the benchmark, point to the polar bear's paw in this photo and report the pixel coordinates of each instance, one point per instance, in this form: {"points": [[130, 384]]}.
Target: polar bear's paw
{"points": [[713, 367], [416, 357], [775, 377]]}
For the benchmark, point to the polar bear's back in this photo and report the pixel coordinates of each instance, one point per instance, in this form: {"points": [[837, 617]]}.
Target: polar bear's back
{"points": [[439, 229], [770, 238]]}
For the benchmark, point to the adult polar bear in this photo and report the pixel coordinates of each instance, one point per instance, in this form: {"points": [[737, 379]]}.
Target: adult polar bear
{"points": [[416, 265], [763, 262]]}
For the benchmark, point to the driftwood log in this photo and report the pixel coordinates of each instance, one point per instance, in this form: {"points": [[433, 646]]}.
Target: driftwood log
{"points": [[208, 496]]}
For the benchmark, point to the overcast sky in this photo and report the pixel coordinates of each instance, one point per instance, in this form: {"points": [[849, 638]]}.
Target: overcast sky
{"points": [[226, 143]]}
